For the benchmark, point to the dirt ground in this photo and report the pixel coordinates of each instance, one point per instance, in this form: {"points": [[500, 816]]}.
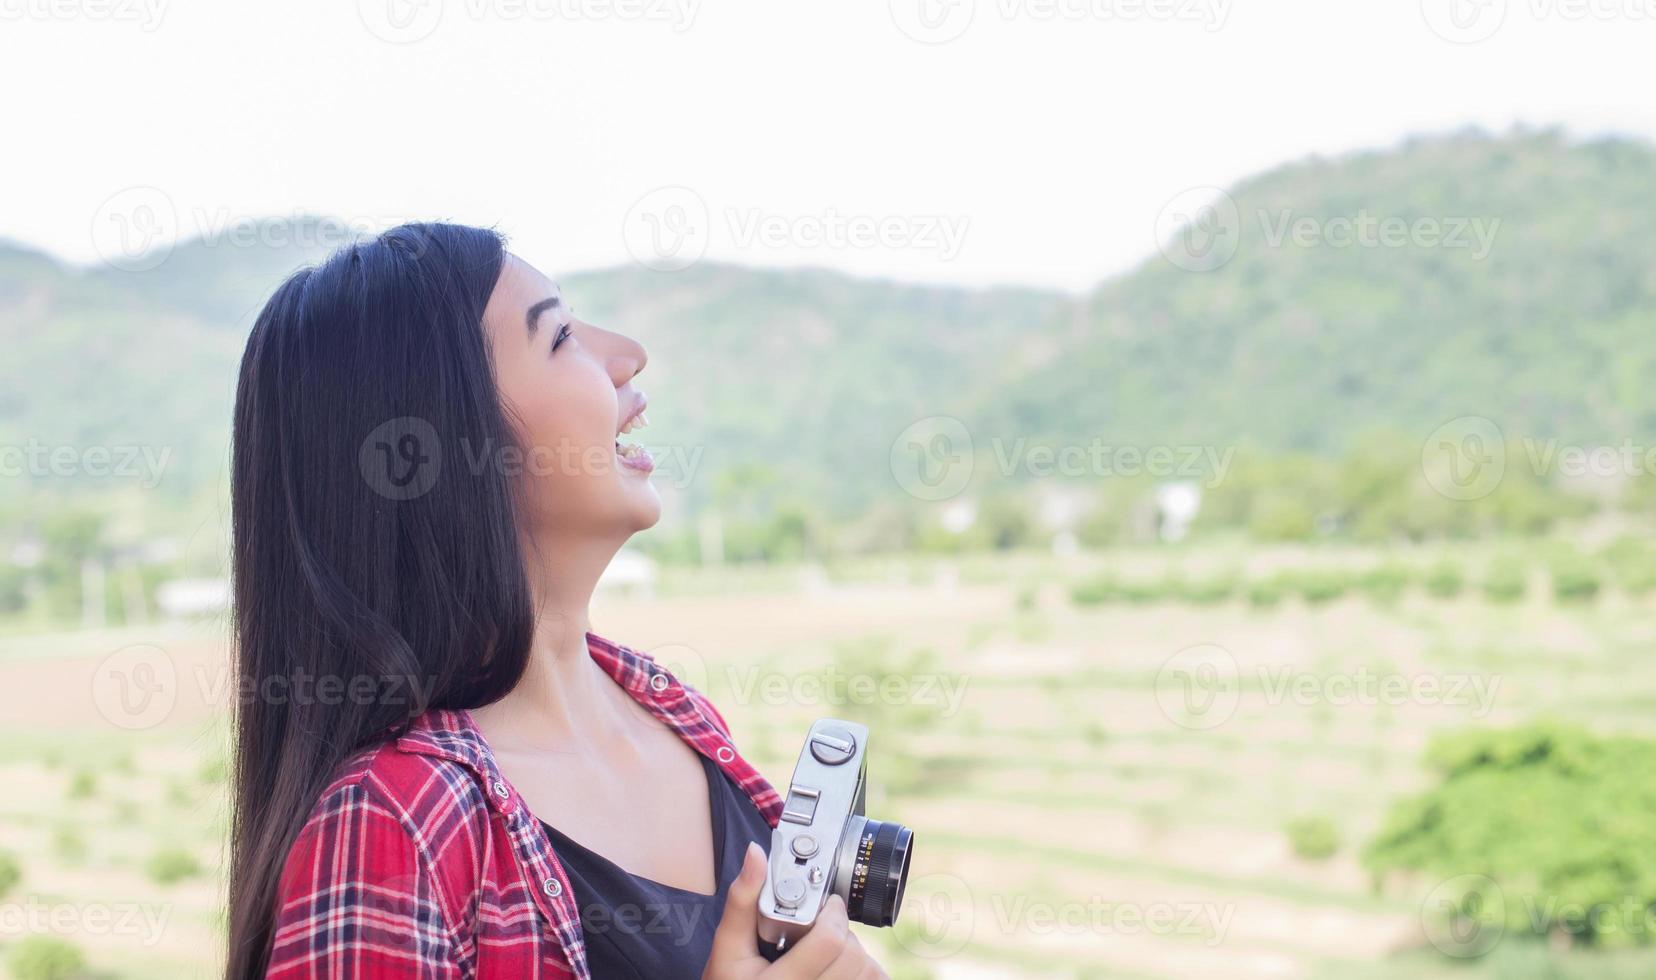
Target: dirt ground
{"points": [[1072, 817]]}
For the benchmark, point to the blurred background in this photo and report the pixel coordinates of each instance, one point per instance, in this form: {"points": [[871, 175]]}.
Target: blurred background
{"points": [[1210, 441]]}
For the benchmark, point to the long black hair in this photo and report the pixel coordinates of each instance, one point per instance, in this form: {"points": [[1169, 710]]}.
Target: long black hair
{"points": [[367, 546]]}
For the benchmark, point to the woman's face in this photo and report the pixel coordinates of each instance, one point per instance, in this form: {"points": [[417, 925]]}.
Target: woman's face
{"points": [[569, 387]]}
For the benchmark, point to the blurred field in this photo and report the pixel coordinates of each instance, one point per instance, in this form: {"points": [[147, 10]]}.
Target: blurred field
{"points": [[1068, 823]]}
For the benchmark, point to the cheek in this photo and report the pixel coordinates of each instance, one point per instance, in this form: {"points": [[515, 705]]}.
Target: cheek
{"points": [[566, 417], [566, 406]]}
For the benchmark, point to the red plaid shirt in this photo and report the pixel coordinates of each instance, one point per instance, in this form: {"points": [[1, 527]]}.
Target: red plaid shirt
{"points": [[421, 860]]}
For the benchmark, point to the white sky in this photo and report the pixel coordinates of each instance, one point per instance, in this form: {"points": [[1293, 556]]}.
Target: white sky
{"points": [[1046, 142]]}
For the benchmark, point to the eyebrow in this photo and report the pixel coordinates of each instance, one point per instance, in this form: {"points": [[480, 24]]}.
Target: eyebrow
{"points": [[532, 318]]}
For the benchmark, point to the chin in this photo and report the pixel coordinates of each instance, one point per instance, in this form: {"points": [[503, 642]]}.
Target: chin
{"points": [[644, 509]]}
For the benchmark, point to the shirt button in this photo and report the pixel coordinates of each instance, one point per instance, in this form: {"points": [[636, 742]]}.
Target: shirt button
{"points": [[725, 753], [500, 790], [552, 887], [658, 682]]}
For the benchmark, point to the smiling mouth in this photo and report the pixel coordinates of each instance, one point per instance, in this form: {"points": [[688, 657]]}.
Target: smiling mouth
{"points": [[632, 456]]}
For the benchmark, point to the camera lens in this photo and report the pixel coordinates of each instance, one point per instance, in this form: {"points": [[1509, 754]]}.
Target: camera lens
{"points": [[879, 873]]}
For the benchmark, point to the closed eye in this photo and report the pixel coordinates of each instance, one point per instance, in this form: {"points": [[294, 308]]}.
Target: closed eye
{"points": [[564, 333]]}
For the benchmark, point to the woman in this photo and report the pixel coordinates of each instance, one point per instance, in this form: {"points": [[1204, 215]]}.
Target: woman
{"points": [[440, 771]]}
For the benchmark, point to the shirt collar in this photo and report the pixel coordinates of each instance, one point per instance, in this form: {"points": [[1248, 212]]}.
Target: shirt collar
{"points": [[450, 733]]}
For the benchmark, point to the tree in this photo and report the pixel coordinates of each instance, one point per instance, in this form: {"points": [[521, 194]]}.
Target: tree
{"points": [[1557, 819]]}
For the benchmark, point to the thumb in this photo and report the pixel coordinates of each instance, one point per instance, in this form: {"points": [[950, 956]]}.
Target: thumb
{"points": [[738, 933]]}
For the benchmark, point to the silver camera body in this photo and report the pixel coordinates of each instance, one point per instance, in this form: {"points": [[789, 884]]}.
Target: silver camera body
{"points": [[824, 844]]}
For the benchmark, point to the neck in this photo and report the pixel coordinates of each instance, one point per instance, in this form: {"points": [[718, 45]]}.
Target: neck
{"points": [[560, 701]]}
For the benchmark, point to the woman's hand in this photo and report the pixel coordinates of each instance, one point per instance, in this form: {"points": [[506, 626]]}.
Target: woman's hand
{"points": [[829, 951]]}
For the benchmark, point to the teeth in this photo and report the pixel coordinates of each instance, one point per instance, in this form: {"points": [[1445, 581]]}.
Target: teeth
{"points": [[636, 422]]}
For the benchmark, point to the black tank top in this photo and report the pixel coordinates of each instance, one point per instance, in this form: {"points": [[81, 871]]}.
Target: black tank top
{"points": [[639, 929]]}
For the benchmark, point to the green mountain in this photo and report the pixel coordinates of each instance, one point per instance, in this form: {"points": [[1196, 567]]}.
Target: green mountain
{"points": [[1303, 345], [797, 382]]}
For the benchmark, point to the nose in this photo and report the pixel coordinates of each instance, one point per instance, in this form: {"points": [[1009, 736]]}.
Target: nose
{"points": [[626, 358]]}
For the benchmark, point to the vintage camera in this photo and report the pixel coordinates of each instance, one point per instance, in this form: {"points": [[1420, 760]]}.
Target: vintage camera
{"points": [[825, 845]]}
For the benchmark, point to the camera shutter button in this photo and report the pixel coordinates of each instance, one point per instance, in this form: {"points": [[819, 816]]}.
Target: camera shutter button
{"points": [[790, 892], [804, 845], [833, 746]]}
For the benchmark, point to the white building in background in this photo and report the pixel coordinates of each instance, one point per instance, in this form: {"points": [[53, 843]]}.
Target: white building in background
{"points": [[182, 598], [629, 571], [958, 515], [28, 552], [1177, 505], [1061, 507]]}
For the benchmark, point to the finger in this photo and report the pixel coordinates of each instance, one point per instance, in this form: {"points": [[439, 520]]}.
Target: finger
{"points": [[851, 962], [823, 944], [873, 971], [738, 933]]}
